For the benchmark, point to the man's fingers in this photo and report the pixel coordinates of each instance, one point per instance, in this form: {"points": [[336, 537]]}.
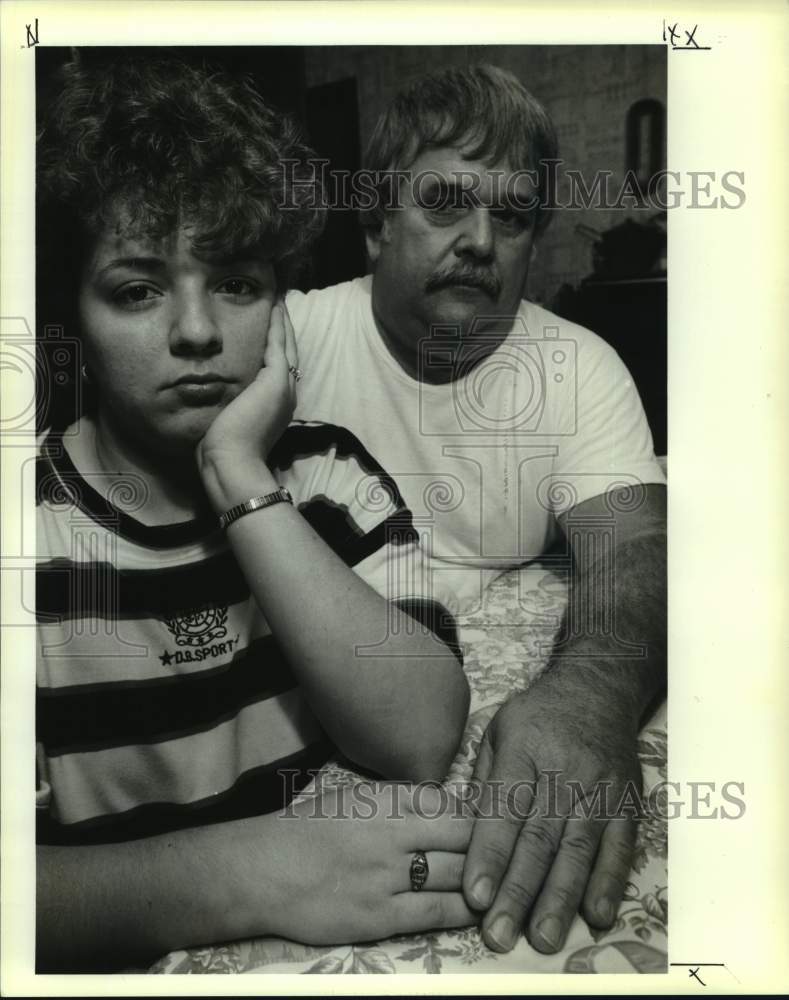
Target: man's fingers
{"points": [[531, 860], [564, 887], [502, 805], [610, 872], [424, 911]]}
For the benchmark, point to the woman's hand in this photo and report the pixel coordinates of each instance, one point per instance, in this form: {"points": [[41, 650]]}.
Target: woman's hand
{"points": [[334, 869], [235, 448], [341, 865]]}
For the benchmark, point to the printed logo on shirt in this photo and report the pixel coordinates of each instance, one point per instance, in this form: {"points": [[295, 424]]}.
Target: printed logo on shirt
{"points": [[197, 655], [199, 628]]}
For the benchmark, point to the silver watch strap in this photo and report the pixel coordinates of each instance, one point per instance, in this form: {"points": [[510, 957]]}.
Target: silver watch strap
{"points": [[255, 503]]}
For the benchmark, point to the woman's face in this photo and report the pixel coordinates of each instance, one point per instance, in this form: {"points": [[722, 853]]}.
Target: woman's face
{"points": [[170, 339]]}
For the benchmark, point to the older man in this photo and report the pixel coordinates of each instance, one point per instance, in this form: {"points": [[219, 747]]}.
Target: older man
{"points": [[506, 429]]}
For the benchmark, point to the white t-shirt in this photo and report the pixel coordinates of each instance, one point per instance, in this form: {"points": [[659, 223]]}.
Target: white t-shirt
{"points": [[485, 462]]}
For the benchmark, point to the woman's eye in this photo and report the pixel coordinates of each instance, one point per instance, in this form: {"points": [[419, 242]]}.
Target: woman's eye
{"points": [[241, 288], [132, 296]]}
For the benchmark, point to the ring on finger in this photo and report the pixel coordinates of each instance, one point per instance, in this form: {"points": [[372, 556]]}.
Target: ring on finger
{"points": [[418, 871], [295, 372]]}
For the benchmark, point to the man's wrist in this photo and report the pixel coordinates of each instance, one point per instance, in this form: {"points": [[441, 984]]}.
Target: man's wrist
{"points": [[620, 688]]}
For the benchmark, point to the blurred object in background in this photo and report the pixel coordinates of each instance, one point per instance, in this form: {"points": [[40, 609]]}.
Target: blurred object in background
{"points": [[629, 250], [624, 301]]}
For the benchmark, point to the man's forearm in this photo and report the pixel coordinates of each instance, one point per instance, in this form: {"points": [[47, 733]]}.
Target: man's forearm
{"points": [[612, 645]]}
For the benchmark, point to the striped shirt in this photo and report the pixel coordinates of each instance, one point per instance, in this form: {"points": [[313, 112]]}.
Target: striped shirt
{"points": [[163, 700]]}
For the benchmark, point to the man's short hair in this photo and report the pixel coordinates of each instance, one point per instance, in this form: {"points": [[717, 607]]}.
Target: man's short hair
{"points": [[483, 110]]}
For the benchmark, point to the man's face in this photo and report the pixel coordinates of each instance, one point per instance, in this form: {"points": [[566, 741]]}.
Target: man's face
{"points": [[450, 254]]}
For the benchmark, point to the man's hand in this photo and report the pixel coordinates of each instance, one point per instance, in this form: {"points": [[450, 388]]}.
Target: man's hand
{"points": [[563, 754], [556, 764]]}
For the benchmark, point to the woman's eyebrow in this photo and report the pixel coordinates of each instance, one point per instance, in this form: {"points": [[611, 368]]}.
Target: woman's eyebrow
{"points": [[241, 259], [152, 265]]}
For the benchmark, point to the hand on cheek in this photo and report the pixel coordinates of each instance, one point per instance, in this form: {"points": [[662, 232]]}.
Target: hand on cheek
{"points": [[240, 439]]}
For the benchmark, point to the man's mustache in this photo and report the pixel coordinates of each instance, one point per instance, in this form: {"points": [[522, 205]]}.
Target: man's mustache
{"points": [[468, 275]]}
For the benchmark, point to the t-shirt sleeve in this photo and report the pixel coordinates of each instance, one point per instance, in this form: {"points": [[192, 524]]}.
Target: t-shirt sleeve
{"points": [[342, 490], [357, 509], [605, 442]]}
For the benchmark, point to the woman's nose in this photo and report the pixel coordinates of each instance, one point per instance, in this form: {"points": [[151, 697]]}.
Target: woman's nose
{"points": [[194, 329], [476, 235]]}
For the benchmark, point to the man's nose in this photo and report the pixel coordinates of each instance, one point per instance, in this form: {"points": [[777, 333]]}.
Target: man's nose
{"points": [[194, 328], [476, 236]]}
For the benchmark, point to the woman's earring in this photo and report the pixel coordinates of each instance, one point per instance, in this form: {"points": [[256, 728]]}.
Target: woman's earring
{"points": [[85, 374]]}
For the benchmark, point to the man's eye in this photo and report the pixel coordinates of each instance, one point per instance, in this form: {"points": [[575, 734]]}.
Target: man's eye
{"points": [[447, 210], [238, 287], [134, 295], [508, 219], [445, 200]]}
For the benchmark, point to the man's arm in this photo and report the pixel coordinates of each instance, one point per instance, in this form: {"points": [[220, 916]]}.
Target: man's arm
{"points": [[570, 740]]}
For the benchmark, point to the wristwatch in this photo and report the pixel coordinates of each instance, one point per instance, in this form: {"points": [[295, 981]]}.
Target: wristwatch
{"points": [[255, 503]]}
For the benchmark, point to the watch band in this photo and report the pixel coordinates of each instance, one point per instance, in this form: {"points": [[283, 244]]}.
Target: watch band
{"points": [[255, 503]]}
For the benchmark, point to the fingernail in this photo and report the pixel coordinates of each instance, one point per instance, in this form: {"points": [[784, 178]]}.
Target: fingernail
{"points": [[502, 930], [551, 931], [483, 891], [605, 911]]}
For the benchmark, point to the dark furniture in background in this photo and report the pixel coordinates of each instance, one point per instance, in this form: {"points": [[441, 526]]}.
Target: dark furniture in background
{"points": [[630, 314]]}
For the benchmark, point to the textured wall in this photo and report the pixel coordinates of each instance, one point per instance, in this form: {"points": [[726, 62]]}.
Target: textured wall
{"points": [[586, 89]]}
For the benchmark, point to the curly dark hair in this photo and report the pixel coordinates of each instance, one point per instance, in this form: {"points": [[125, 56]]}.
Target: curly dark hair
{"points": [[146, 142], [168, 143]]}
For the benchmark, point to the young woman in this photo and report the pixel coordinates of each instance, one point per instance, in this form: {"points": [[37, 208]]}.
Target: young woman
{"points": [[220, 593]]}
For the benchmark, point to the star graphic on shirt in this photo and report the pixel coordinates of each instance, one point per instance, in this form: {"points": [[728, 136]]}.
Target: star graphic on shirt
{"points": [[166, 658]]}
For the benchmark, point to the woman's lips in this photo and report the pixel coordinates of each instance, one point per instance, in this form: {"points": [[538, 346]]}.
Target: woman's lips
{"points": [[201, 389]]}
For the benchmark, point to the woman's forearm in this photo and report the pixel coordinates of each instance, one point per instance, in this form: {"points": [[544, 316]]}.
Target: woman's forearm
{"points": [[392, 697], [114, 905], [319, 874]]}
